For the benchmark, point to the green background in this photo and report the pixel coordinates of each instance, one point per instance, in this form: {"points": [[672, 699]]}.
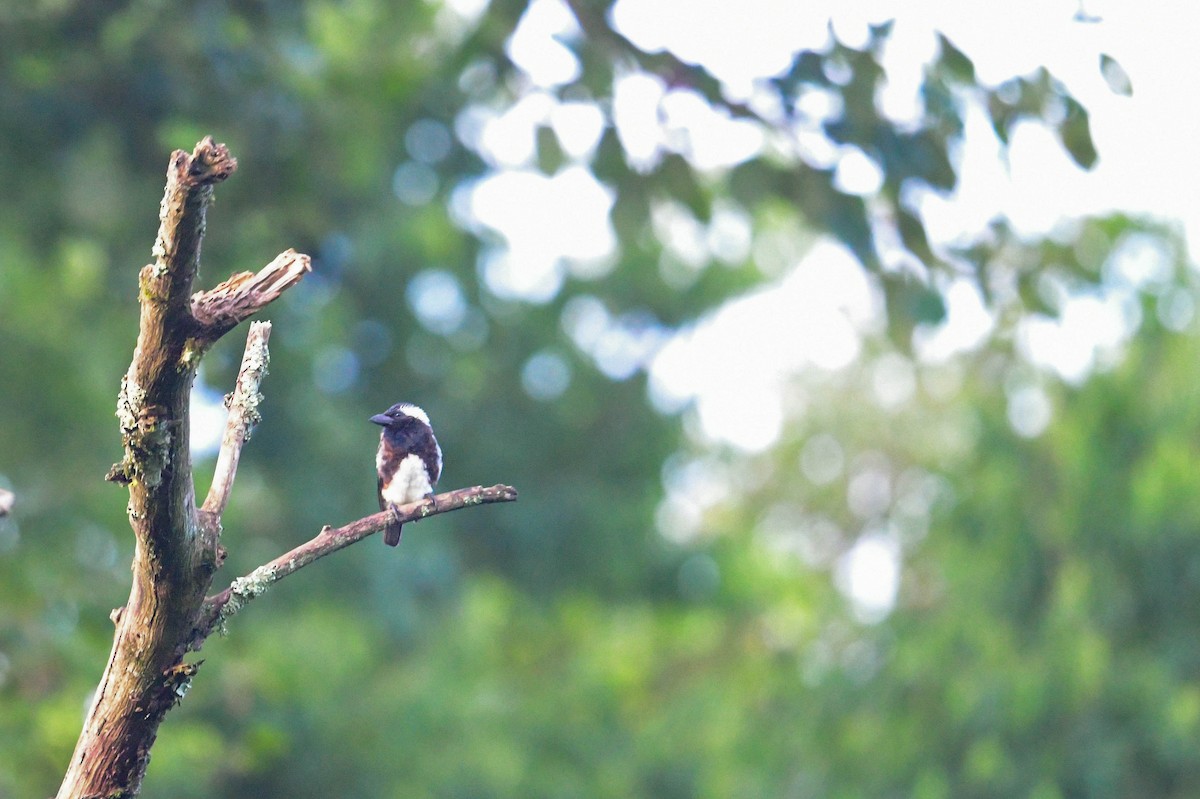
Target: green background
{"points": [[1044, 639]]}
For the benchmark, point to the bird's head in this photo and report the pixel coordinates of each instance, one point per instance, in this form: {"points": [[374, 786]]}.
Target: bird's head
{"points": [[399, 413]]}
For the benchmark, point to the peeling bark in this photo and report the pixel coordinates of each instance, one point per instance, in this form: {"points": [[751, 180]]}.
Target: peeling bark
{"points": [[177, 549], [146, 676]]}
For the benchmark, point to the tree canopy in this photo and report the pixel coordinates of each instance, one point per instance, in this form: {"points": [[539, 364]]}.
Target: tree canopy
{"points": [[661, 614]]}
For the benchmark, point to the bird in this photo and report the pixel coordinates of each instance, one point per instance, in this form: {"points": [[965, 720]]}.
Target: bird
{"points": [[409, 461]]}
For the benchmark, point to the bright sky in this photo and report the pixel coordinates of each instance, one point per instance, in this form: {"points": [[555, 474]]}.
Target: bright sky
{"points": [[733, 365]]}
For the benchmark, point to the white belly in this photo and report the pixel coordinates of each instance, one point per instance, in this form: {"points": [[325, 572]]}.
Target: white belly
{"points": [[410, 483]]}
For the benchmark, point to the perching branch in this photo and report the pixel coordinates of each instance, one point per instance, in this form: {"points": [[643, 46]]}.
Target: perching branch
{"points": [[175, 555], [178, 547], [220, 608]]}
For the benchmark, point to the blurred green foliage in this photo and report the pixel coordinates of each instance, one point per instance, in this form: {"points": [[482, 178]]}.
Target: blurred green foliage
{"points": [[1043, 641]]}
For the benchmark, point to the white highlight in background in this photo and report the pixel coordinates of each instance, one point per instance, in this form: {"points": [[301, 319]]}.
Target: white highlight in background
{"points": [[868, 574]]}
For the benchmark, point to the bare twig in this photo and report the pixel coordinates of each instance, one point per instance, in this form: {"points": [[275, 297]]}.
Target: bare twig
{"points": [[665, 64], [218, 609], [221, 308], [173, 558], [243, 416], [177, 545]]}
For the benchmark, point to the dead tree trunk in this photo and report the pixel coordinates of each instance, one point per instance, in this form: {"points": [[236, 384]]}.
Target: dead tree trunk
{"points": [[178, 548]]}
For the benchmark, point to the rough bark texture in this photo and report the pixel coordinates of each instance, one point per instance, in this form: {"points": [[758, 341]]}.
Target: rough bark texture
{"points": [[146, 674], [178, 547], [243, 416]]}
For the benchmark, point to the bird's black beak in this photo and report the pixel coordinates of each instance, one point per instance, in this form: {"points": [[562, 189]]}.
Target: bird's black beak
{"points": [[381, 418]]}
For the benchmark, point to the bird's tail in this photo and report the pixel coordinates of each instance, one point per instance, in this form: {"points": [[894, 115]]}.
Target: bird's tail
{"points": [[391, 534]]}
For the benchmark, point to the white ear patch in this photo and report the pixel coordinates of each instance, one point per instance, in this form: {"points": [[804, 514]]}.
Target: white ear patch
{"points": [[412, 410]]}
